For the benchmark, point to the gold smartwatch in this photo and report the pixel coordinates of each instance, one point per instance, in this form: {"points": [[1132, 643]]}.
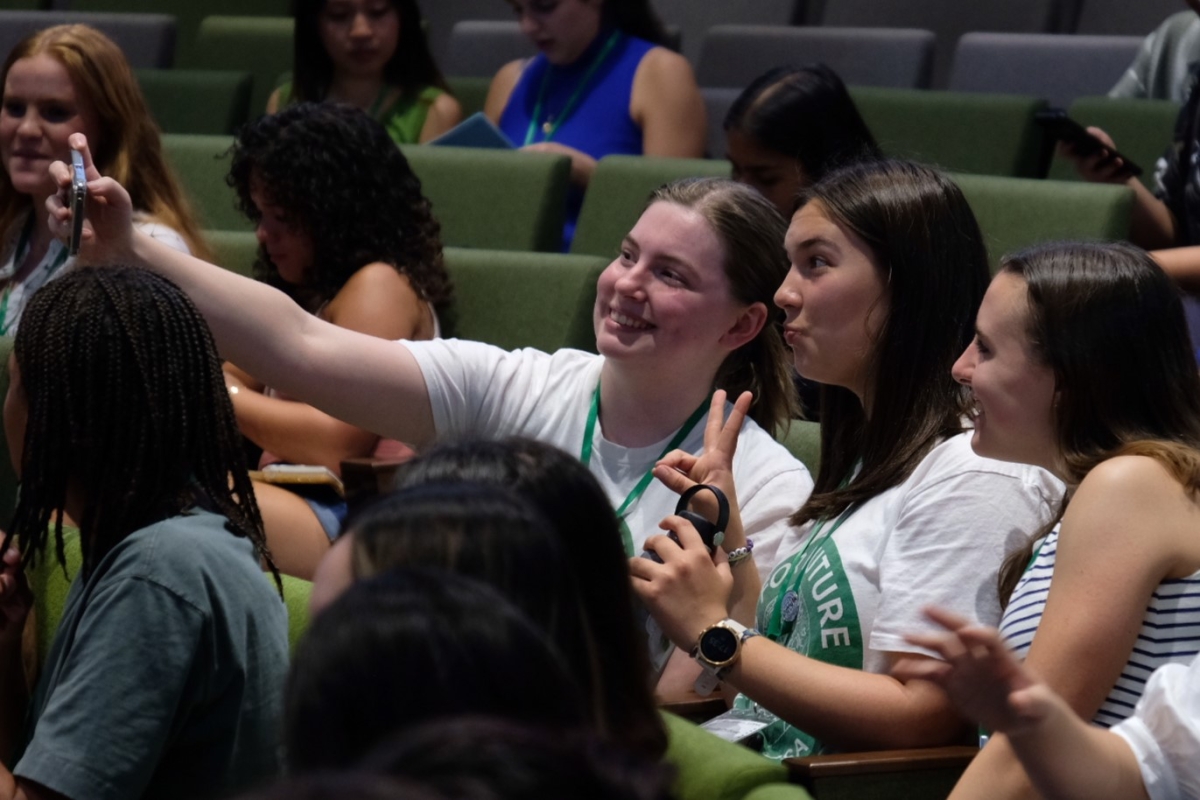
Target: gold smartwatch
{"points": [[720, 646]]}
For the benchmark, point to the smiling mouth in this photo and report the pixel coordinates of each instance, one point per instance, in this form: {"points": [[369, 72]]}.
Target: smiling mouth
{"points": [[629, 322]]}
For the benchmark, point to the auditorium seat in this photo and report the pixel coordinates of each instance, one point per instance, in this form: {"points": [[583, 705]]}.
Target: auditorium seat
{"points": [[512, 299], [196, 101], [948, 19], [803, 441], [1141, 129], [495, 199], [201, 164], [147, 40], [261, 46], [234, 250], [979, 133], [617, 195], [188, 15], [1122, 17], [1017, 212], [1056, 67], [694, 18], [734, 55], [716, 106], [471, 92]]}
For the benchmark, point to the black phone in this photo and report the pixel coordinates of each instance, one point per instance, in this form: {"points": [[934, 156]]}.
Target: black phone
{"points": [[78, 199], [1059, 125], [713, 533]]}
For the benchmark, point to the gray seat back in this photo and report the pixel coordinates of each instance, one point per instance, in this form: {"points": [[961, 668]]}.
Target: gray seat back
{"points": [[148, 40]]}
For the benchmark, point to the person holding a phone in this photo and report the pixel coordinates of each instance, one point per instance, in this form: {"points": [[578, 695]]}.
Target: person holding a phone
{"points": [[58, 81], [888, 269]]}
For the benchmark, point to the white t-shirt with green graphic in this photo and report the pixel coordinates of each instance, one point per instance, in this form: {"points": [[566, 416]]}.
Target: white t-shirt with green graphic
{"points": [[939, 538]]}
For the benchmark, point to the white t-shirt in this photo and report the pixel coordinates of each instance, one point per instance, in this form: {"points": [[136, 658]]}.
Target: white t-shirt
{"points": [[939, 538], [477, 389], [1164, 732]]}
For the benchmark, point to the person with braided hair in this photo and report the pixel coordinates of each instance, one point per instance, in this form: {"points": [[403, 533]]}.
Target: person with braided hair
{"points": [[164, 677], [345, 232]]}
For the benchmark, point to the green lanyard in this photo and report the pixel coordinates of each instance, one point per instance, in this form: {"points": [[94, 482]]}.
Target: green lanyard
{"points": [[585, 455], [548, 128], [818, 535]]}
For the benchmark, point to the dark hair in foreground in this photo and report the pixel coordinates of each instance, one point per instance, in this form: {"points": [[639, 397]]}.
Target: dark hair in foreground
{"points": [[338, 176], [599, 639], [635, 18], [410, 69], [804, 113], [412, 645], [1109, 323], [924, 238], [482, 758], [127, 404], [751, 233]]}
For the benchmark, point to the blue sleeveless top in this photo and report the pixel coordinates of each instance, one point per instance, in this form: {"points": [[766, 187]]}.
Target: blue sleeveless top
{"points": [[600, 124]]}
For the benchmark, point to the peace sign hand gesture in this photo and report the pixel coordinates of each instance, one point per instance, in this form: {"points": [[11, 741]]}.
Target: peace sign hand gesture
{"points": [[680, 470]]}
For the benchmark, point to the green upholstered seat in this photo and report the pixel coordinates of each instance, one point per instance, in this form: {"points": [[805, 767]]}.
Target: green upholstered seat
{"points": [[1141, 129], [50, 583], [188, 15], [541, 300], [1017, 212], [494, 199], [710, 768], [234, 250], [8, 477], [196, 101], [803, 441], [201, 164], [261, 46], [470, 92], [988, 134], [617, 195]]}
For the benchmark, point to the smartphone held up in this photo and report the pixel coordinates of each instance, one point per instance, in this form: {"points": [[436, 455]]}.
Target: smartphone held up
{"points": [[78, 199]]}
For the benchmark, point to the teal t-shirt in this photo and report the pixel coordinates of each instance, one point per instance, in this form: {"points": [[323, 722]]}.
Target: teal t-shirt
{"points": [[165, 678]]}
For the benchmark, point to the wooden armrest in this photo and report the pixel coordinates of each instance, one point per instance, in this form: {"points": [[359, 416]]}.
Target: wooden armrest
{"points": [[924, 758], [698, 710], [364, 478], [923, 774]]}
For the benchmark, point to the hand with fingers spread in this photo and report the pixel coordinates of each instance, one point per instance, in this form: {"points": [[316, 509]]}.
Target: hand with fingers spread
{"points": [[689, 590], [981, 675], [680, 470], [108, 224]]}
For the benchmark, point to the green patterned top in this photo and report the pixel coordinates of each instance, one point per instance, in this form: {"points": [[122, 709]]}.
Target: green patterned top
{"points": [[403, 118]]}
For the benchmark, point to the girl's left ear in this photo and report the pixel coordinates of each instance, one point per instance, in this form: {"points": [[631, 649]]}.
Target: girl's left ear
{"points": [[748, 325]]}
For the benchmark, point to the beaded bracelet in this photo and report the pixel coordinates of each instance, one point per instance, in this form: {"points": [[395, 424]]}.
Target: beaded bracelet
{"points": [[740, 554]]}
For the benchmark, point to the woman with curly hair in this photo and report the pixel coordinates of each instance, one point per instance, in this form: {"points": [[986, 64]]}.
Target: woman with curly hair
{"points": [[371, 54], [347, 234], [58, 81]]}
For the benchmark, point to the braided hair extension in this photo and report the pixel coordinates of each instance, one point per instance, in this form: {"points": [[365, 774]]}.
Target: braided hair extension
{"points": [[127, 411]]}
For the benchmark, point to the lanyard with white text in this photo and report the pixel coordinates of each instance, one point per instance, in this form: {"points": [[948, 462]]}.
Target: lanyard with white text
{"points": [[585, 455]]}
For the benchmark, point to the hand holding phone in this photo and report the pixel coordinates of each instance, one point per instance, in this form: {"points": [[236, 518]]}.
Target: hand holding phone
{"points": [[1061, 127], [78, 201]]}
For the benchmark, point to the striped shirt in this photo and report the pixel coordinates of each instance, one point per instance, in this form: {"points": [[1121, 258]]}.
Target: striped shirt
{"points": [[1170, 630]]}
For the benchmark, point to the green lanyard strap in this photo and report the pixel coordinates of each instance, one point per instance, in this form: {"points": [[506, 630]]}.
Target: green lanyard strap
{"points": [[548, 128], [18, 255], [819, 535], [585, 455]]}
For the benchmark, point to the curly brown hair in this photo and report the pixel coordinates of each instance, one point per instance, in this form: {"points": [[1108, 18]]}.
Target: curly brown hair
{"points": [[335, 174]]}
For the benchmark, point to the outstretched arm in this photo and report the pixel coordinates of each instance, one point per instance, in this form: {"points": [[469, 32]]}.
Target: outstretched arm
{"points": [[374, 384], [1063, 755]]}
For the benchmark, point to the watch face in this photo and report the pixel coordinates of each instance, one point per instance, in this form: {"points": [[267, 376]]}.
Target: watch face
{"points": [[718, 645]]}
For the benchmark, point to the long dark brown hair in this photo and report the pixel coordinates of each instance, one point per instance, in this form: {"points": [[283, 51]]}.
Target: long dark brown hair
{"points": [[1110, 324], [927, 244]]}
